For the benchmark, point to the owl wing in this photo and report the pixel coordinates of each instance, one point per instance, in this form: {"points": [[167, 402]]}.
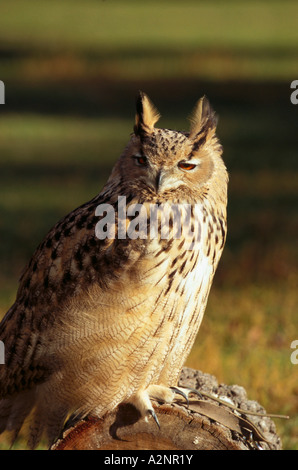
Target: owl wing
{"points": [[68, 261]]}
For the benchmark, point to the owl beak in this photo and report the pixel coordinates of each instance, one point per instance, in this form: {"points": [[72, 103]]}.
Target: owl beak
{"points": [[160, 181]]}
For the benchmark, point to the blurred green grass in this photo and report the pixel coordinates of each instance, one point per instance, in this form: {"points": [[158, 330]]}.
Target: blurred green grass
{"points": [[120, 33], [72, 70]]}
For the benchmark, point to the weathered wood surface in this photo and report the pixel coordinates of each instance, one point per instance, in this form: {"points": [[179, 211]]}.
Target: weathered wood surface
{"points": [[203, 425]]}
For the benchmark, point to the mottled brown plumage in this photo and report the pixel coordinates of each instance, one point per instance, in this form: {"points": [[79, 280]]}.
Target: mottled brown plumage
{"points": [[100, 321]]}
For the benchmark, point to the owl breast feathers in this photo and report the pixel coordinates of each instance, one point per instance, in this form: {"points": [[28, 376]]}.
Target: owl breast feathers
{"points": [[111, 301]]}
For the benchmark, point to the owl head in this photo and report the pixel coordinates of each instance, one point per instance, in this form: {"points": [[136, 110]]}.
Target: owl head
{"points": [[165, 162]]}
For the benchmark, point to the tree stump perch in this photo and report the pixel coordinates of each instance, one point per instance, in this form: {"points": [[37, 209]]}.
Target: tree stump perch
{"points": [[203, 425]]}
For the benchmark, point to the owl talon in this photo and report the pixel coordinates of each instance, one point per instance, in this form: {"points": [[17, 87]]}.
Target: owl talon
{"points": [[180, 392], [196, 392], [153, 414]]}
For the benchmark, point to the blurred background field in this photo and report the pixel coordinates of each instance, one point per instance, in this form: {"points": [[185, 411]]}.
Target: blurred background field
{"points": [[72, 70]]}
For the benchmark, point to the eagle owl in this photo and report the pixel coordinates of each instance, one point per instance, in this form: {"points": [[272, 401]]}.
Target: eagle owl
{"points": [[102, 317]]}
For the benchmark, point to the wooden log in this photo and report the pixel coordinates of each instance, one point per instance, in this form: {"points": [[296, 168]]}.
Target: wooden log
{"points": [[204, 424]]}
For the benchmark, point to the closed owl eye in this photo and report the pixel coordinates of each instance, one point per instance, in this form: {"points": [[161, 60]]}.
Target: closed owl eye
{"points": [[141, 160], [186, 166]]}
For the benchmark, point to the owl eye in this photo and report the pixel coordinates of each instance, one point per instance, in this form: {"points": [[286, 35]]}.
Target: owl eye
{"points": [[141, 160], [186, 166]]}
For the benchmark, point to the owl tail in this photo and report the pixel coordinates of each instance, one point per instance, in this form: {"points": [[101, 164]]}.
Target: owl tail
{"points": [[43, 419], [13, 412]]}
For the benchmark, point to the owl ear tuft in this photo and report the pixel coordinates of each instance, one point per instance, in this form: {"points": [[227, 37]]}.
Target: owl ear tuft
{"points": [[203, 117], [147, 115]]}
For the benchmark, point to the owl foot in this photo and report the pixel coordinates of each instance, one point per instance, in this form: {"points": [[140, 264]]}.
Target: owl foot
{"points": [[142, 399]]}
